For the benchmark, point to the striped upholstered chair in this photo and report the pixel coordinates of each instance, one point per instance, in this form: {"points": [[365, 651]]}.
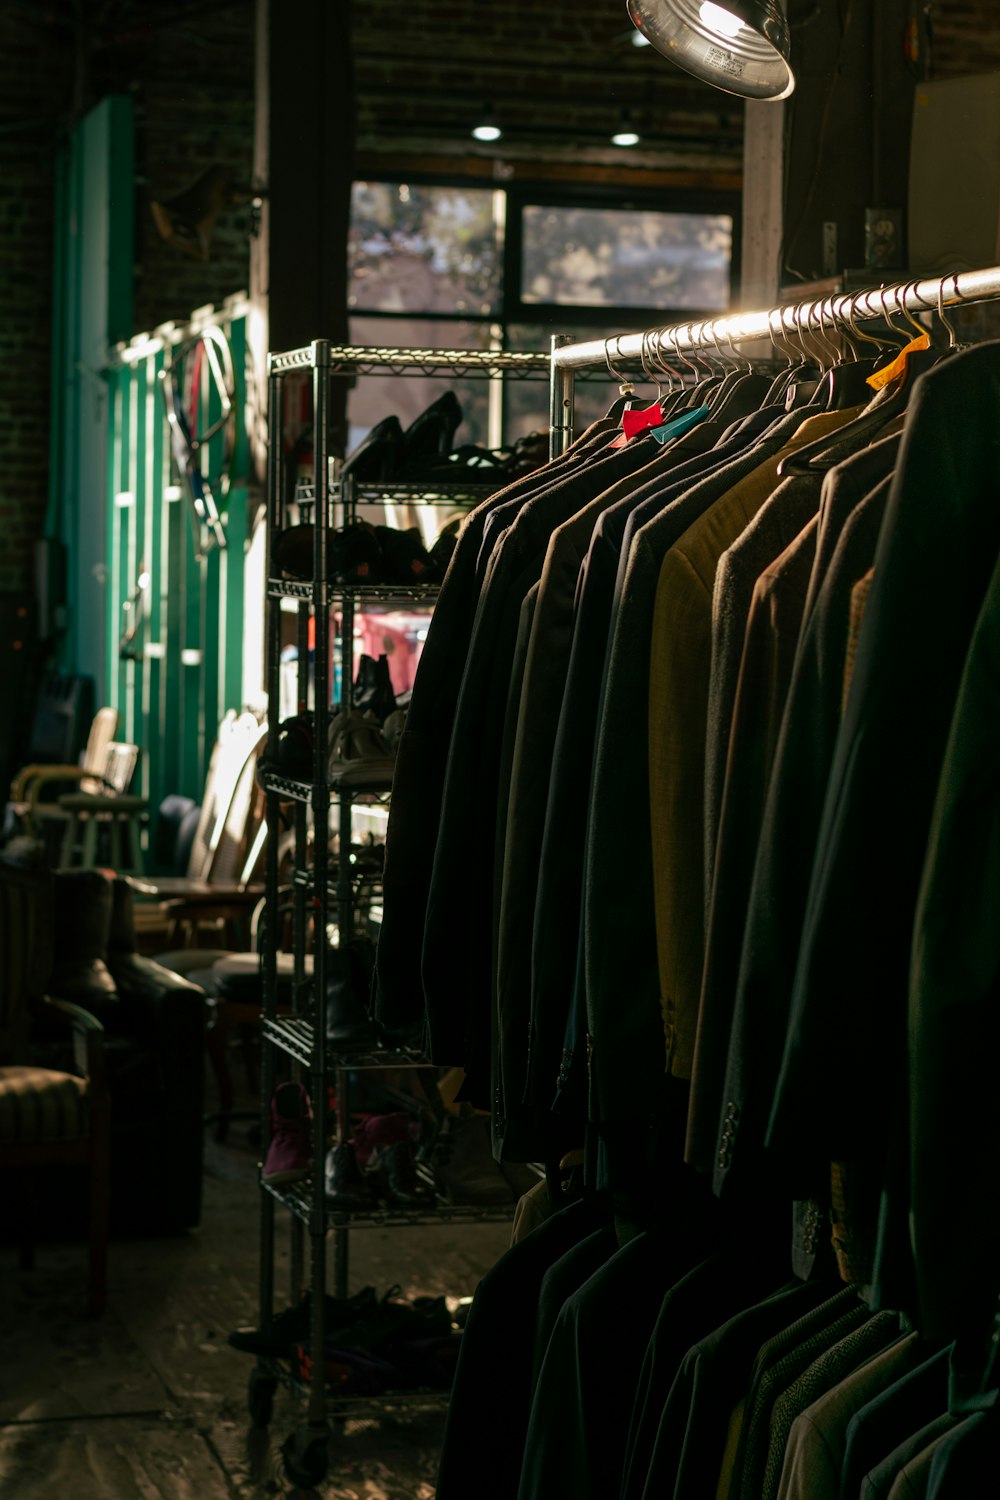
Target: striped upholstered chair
{"points": [[48, 1117]]}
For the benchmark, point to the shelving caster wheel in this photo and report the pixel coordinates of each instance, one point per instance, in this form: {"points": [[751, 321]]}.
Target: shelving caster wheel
{"points": [[305, 1456], [260, 1397]]}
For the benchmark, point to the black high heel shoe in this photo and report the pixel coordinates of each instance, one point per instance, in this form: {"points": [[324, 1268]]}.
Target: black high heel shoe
{"points": [[377, 457], [429, 436]]}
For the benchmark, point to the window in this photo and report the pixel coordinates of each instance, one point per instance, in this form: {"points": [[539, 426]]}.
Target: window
{"points": [[439, 265]]}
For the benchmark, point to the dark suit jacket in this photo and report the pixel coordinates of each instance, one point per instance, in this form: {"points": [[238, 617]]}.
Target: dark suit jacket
{"points": [[763, 685], [890, 1416], [457, 946], [691, 1435], [557, 918], [679, 664], [495, 1356], [719, 1288], [616, 986], [960, 1460], [772, 634], [523, 785], [954, 1020], [418, 778], [851, 979], [783, 861]]}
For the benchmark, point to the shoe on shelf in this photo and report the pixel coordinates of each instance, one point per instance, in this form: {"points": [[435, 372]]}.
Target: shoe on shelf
{"points": [[353, 554], [288, 1154], [376, 458], [373, 688], [292, 756], [463, 1164], [429, 435], [347, 980], [399, 1185], [406, 560], [359, 756], [377, 1131], [346, 1184]]}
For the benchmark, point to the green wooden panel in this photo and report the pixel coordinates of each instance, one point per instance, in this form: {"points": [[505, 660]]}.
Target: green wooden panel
{"points": [[188, 669]]}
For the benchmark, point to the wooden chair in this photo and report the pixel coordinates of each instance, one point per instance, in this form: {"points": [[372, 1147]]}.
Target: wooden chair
{"points": [[32, 804], [114, 809], [218, 892], [48, 1118]]}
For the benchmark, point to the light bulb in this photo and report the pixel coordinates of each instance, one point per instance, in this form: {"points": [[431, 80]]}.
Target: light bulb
{"points": [[486, 132], [719, 20], [625, 138]]}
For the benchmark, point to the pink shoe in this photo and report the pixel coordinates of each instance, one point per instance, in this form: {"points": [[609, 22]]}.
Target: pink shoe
{"points": [[288, 1154]]}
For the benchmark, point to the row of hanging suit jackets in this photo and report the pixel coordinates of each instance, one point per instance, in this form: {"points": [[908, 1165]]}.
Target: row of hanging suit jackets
{"points": [[693, 838]]}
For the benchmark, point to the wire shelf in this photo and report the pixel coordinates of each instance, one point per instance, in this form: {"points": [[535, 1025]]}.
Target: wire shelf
{"points": [[343, 1408], [344, 359], [297, 1197], [447, 492], [387, 593], [295, 1036]]}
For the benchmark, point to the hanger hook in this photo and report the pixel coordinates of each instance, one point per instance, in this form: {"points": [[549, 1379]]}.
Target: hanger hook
{"points": [[842, 322], [798, 318], [828, 348], [671, 335], [655, 354], [738, 359], [883, 292], [625, 385], [952, 335], [902, 293], [865, 338], [649, 374], [782, 345]]}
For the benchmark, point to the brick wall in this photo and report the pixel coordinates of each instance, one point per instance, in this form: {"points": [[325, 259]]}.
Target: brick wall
{"points": [[35, 82]]}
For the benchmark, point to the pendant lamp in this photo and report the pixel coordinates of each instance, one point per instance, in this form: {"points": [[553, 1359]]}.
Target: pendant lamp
{"points": [[742, 46]]}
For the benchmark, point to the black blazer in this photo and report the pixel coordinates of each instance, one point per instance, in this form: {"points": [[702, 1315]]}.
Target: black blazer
{"points": [[847, 1031], [734, 1114]]}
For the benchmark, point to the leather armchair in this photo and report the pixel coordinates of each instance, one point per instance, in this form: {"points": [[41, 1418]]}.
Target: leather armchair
{"points": [[154, 1047]]}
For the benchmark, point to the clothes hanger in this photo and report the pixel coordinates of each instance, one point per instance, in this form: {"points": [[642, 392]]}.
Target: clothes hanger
{"points": [[742, 393], [626, 388], [776, 392], [802, 369], [846, 382], [697, 396], [885, 404], [801, 391], [638, 419]]}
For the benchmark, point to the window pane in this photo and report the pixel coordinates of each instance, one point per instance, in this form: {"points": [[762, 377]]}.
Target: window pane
{"points": [[597, 257], [423, 249]]}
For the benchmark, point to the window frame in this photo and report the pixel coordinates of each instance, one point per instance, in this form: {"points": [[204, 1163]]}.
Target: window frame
{"points": [[557, 316]]}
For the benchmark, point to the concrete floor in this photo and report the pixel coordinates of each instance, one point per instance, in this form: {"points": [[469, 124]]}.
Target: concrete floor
{"points": [[150, 1401]]}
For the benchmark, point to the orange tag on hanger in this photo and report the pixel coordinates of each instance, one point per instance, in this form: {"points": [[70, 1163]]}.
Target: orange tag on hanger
{"points": [[892, 372], [637, 421]]}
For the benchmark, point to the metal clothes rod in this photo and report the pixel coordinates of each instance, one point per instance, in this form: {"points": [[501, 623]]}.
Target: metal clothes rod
{"points": [[839, 311], [834, 311]]}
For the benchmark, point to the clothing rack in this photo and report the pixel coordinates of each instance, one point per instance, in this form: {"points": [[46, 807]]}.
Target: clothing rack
{"points": [[836, 313]]}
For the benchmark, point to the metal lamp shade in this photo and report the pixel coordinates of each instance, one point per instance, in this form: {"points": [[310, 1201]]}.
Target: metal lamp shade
{"points": [[741, 46]]}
